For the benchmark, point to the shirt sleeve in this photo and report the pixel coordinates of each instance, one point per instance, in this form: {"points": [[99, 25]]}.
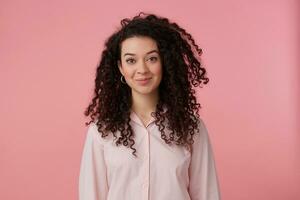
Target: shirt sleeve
{"points": [[203, 183], [92, 177]]}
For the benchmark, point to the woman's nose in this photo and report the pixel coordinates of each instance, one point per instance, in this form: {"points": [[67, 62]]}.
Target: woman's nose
{"points": [[143, 68]]}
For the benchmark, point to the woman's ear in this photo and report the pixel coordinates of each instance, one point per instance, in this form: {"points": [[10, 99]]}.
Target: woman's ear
{"points": [[120, 67]]}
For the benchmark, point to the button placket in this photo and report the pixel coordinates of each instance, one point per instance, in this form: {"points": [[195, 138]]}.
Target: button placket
{"points": [[146, 160]]}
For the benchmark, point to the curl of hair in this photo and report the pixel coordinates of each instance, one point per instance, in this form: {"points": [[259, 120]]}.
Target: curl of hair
{"points": [[180, 56]]}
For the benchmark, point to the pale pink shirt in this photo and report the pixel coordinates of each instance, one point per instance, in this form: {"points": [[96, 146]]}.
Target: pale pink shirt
{"points": [[161, 172]]}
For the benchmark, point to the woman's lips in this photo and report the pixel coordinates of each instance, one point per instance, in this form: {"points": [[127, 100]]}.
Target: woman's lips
{"points": [[143, 81]]}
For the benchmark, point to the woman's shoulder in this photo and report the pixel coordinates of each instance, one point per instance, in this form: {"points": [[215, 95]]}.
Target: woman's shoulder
{"points": [[94, 133], [201, 128], [200, 122]]}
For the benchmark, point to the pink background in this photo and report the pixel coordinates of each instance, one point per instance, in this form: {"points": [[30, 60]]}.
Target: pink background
{"points": [[49, 52]]}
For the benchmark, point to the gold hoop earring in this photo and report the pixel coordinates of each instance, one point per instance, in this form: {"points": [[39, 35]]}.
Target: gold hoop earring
{"points": [[123, 81]]}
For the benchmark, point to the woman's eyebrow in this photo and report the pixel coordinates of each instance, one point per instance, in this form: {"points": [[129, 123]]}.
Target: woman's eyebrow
{"points": [[132, 54]]}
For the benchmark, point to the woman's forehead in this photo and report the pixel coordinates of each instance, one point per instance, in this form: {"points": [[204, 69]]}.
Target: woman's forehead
{"points": [[138, 46]]}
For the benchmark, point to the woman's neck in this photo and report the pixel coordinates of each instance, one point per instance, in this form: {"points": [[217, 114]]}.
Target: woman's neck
{"points": [[143, 105]]}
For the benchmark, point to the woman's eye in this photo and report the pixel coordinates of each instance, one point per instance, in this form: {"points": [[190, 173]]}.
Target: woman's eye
{"points": [[155, 58], [130, 59]]}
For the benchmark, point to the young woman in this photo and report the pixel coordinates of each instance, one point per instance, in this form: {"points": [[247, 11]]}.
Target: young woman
{"points": [[146, 139]]}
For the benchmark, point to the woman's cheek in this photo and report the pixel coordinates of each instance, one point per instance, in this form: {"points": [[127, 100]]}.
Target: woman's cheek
{"points": [[157, 70]]}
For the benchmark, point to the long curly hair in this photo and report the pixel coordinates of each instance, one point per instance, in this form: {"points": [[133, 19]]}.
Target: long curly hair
{"points": [[180, 56]]}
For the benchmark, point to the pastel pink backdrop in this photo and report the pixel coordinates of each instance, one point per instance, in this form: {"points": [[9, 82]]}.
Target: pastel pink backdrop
{"points": [[49, 51]]}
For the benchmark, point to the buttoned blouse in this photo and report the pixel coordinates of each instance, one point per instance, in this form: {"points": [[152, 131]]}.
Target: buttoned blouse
{"points": [[160, 172]]}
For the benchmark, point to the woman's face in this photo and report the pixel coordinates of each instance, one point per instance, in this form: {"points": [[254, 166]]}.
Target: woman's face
{"points": [[141, 64]]}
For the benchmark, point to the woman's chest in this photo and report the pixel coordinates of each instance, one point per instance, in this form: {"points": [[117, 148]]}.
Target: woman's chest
{"points": [[151, 151]]}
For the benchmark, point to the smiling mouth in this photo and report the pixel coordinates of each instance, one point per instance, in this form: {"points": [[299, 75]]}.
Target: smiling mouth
{"points": [[143, 82], [144, 79]]}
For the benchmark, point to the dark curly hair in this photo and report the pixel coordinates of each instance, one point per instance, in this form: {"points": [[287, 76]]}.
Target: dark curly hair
{"points": [[110, 106]]}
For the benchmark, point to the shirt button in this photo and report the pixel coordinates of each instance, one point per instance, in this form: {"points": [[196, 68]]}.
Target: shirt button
{"points": [[145, 185]]}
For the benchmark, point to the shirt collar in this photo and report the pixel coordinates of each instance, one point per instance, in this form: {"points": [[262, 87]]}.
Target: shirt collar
{"points": [[134, 117]]}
